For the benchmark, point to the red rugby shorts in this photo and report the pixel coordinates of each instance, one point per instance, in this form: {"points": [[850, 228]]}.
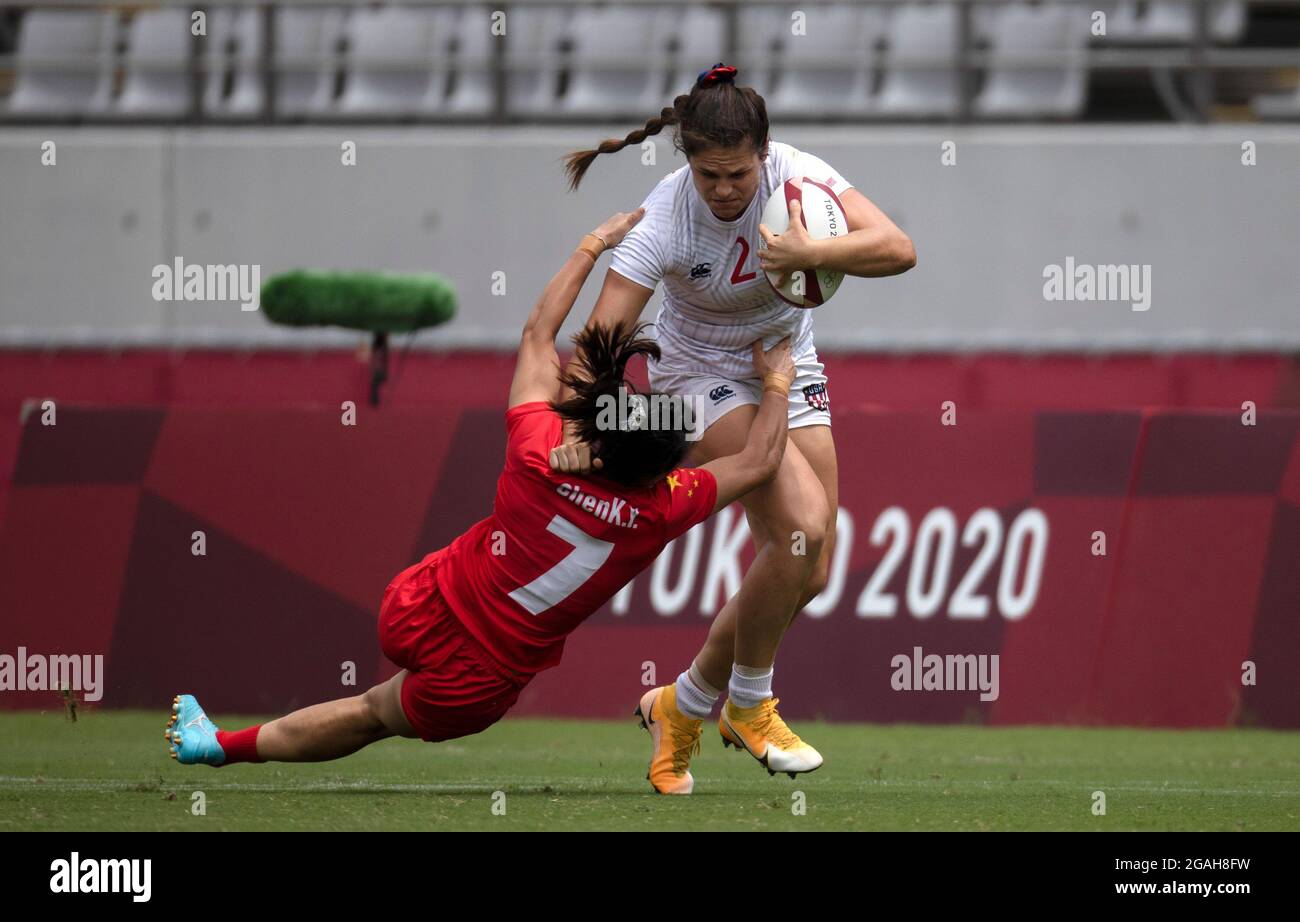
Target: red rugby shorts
{"points": [[454, 687]]}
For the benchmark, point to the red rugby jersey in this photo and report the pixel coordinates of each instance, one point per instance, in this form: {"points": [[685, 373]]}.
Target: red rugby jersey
{"points": [[558, 546]]}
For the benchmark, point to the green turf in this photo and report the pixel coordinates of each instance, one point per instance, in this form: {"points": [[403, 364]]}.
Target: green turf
{"points": [[110, 770]]}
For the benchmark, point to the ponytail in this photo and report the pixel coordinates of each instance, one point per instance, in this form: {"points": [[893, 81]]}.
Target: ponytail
{"points": [[576, 163], [715, 113]]}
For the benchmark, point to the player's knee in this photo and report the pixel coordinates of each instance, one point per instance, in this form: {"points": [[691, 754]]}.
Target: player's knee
{"points": [[377, 706], [821, 571], [817, 580], [811, 525], [804, 538], [383, 704]]}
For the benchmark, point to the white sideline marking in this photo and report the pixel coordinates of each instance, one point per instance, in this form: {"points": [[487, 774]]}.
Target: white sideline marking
{"points": [[14, 782], [1144, 787]]}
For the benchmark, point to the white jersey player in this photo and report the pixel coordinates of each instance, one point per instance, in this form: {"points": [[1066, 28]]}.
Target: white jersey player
{"points": [[700, 238], [717, 300]]}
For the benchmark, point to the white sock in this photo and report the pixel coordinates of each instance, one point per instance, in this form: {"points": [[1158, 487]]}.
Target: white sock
{"points": [[749, 686], [695, 696]]}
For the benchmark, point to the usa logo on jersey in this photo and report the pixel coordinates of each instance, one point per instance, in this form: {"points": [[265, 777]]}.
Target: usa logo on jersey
{"points": [[817, 397]]}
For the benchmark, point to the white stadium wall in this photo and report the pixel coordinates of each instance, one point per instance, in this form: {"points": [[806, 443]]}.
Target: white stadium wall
{"points": [[79, 239]]}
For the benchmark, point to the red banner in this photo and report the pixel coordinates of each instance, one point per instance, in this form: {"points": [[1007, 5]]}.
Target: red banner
{"points": [[1136, 568]]}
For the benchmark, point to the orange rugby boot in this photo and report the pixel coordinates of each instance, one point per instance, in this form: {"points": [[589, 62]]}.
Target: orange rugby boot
{"points": [[762, 733], [675, 737]]}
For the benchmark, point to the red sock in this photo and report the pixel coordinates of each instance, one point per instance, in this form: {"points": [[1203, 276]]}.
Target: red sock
{"points": [[240, 745]]}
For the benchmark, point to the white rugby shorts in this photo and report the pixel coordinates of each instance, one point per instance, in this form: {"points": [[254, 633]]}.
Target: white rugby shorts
{"points": [[714, 395]]}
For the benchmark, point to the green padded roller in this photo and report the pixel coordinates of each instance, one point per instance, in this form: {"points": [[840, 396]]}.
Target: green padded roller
{"points": [[375, 301]]}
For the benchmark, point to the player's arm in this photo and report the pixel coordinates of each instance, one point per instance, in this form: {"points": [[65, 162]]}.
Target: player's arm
{"points": [[537, 365], [874, 246], [621, 300], [627, 290], [759, 460]]}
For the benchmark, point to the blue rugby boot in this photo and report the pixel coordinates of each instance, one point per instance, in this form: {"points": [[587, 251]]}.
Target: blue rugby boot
{"points": [[191, 735]]}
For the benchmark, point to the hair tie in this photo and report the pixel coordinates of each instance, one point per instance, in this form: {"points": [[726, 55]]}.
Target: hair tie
{"points": [[718, 73]]}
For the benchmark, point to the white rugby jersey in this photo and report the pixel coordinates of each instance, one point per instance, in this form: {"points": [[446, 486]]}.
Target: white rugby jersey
{"points": [[716, 298]]}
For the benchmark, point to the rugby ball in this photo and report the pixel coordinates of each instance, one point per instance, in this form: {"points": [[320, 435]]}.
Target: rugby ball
{"points": [[823, 217]]}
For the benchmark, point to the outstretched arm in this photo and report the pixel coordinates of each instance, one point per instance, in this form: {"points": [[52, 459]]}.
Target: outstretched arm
{"points": [[621, 301], [537, 365]]}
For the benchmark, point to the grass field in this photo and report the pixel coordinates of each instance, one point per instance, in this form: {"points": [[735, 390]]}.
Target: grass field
{"points": [[110, 771]]}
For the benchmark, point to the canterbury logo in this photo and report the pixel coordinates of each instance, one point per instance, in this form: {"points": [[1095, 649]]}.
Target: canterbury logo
{"points": [[721, 392], [701, 270]]}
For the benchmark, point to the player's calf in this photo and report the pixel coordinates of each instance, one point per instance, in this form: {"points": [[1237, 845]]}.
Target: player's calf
{"points": [[319, 733]]}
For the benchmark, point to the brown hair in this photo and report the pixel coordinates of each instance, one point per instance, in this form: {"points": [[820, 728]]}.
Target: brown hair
{"points": [[715, 113]]}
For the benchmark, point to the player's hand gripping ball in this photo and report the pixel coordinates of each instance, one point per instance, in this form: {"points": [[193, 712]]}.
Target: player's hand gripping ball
{"points": [[785, 249]]}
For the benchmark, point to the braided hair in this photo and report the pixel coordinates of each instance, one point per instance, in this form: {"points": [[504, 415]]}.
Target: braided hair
{"points": [[714, 114]]}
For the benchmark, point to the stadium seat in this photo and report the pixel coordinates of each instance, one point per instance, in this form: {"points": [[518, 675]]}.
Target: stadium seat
{"points": [[306, 43], [234, 49], [157, 83], [619, 62], [1277, 105], [217, 52], [1175, 21], [760, 34], [924, 36], [843, 34], [447, 22], [1059, 90], [391, 61], [50, 34], [471, 82], [701, 39], [533, 37], [984, 21]]}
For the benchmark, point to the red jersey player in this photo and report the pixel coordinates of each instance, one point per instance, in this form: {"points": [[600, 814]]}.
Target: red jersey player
{"points": [[473, 622]]}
